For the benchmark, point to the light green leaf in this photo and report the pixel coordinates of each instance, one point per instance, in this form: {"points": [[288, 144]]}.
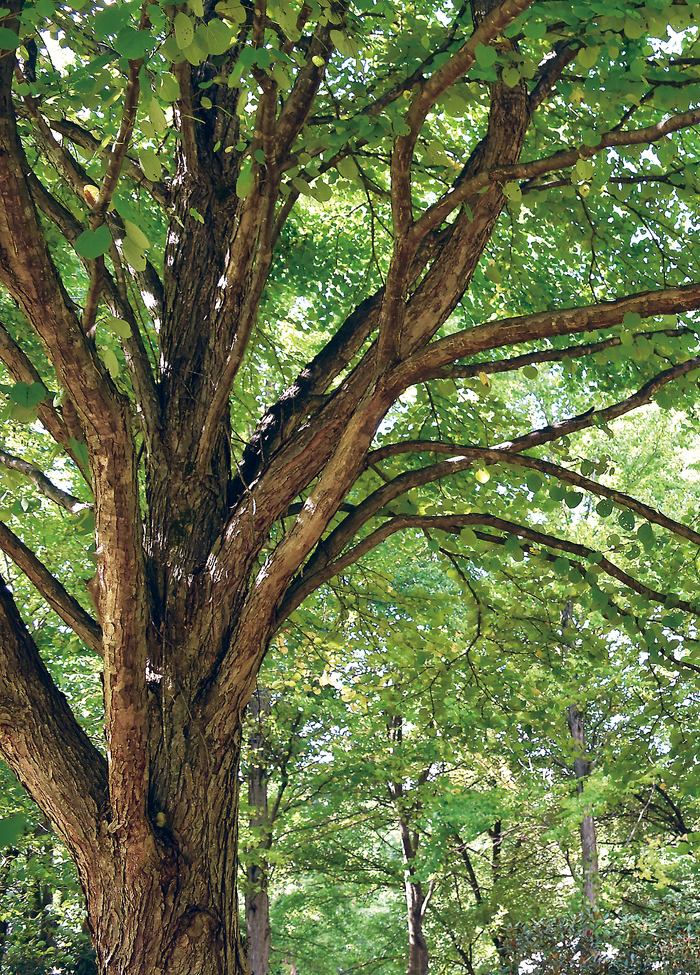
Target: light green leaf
{"points": [[133, 254], [245, 181], [184, 30], [485, 56], [118, 326], [157, 116], [150, 164], [110, 360], [136, 234]]}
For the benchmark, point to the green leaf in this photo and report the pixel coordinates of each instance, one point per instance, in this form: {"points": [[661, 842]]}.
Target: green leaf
{"points": [[245, 181], [81, 453], [588, 56], [485, 56], [133, 254], [8, 39], [534, 482], [150, 164], [347, 168], [84, 522], [27, 396], [604, 508], [118, 326], [110, 360], [11, 830], [136, 234], [157, 116], [219, 37], [92, 243], [169, 88], [626, 520]]}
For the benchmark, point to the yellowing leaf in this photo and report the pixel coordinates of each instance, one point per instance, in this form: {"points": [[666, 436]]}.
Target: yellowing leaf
{"points": [[118, 326], [482, 476], [150, 164], [137, 235], [157, 116], [184, 30]]}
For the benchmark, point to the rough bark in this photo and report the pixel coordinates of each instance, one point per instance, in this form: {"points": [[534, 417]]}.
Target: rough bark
{"points": [[257, 901]]}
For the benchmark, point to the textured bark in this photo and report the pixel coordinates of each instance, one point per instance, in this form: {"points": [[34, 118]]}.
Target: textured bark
{"points": [[257, 902]]}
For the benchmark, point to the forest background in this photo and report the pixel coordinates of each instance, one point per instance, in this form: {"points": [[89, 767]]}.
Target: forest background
{"points": [[350, 459]]}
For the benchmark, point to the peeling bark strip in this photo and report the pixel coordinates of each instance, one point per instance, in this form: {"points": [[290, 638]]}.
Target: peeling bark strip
{"points": [[208, 538]]}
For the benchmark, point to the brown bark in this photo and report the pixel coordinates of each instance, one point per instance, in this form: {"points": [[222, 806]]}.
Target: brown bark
{"points": [[257, 901], [582, 768]]}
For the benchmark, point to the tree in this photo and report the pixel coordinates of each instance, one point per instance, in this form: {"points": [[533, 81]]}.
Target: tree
{"points": [[233, 466]]}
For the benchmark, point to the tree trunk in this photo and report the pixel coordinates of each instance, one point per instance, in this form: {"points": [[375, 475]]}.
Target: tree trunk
{"points": [[257, 902], [417, 946], [416, 901], [589, 847]]}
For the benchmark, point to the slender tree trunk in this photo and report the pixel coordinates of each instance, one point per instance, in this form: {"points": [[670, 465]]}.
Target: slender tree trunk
{"points": [[416, 901], [257, 902], [417, 946], [589, 847]]}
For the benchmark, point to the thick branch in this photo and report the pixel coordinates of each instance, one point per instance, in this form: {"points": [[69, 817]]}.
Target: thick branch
{"points": [[469, 185], [86, 140], [43, 743], [530, 328], [58, 598]]}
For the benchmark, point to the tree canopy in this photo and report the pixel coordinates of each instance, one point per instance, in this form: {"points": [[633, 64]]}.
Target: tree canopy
{"points": [[281, 283]]}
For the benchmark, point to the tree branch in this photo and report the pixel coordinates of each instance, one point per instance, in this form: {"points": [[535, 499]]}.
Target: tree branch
{"points": [[43, 743], [42, 483], [528, 328], [454, 524], [468, 185], [58, 598], [492, 456]]}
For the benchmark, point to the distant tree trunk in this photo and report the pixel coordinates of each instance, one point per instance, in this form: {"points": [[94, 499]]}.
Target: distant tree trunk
{"points": [[416, 900], [415, 904], [589, 847], [257, 902], [582, 768]]}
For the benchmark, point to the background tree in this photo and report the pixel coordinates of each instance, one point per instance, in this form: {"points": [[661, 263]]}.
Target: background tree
{"points": [[235, 461]]}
